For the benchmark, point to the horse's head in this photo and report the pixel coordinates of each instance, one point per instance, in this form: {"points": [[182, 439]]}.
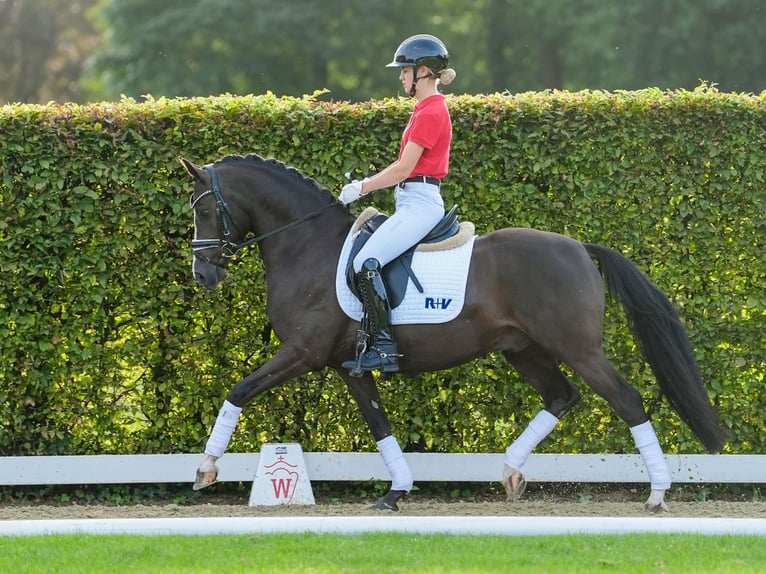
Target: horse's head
{"points": [[216, 235], [224, 213]]}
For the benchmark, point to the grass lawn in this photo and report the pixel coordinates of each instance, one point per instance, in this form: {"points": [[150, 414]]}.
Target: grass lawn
{"points": [[383, 553]]}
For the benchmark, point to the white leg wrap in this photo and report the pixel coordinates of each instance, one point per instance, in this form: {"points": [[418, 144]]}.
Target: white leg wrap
{"points": [[651, 453], [539, 428], [223, 429], [401, 476]]}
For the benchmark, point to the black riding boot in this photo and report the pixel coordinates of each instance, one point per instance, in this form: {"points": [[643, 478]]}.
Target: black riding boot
{"points": [[382, 354]]}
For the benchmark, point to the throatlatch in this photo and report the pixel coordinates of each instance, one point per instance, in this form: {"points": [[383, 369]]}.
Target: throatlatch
{"points": [[375, 348]]}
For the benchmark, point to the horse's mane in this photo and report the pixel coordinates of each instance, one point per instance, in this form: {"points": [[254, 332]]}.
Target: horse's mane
{"points": [[276, 165]]}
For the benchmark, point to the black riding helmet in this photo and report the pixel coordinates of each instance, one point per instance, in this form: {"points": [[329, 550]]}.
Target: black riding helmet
{"points": [[421, 50]]}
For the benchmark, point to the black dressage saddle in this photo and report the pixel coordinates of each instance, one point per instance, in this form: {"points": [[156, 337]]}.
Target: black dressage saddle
{"points": [[397, 272]]}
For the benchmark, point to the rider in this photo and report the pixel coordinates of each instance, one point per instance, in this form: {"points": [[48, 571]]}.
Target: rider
{"points": [[417, 173]]}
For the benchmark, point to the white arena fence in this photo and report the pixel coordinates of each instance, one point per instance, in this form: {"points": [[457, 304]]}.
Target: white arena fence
{"points": [[346, 466]]}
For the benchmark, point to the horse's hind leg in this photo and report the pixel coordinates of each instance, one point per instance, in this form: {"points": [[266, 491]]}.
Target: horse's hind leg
{"points": [[626, 401], [541, 371]]}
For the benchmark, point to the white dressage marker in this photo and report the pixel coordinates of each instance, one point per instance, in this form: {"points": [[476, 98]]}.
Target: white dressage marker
{"points": [[281, 477]]}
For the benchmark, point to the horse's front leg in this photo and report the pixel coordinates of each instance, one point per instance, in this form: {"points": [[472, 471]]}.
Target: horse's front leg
{"points": [[285, 365], [365, 392], [220, 436]]}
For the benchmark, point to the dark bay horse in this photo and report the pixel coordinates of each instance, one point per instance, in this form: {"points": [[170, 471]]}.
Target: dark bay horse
{"points": [[534, 296]]}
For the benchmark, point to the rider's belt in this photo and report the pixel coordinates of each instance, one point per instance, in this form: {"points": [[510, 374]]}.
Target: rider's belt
{"points": [[421, 179]]}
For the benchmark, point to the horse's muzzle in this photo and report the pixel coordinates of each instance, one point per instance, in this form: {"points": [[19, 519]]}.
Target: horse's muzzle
{"points": [[207, 274]]}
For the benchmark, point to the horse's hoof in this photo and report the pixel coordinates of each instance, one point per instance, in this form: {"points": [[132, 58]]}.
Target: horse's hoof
{"points": [[656, 502], [514, 483], [652, 508], [205, 479], [388, 502]]}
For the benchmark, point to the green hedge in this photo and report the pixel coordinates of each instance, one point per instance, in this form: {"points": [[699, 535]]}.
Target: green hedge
{"points": [[108, 346]]}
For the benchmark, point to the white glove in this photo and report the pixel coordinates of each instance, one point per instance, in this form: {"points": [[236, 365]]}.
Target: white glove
{"points": [[350, 192]]}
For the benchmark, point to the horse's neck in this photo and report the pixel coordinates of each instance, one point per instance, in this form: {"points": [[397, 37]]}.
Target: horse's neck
{"points": [[313, 245]]}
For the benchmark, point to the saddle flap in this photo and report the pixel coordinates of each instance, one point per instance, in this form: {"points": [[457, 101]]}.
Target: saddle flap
{"points": [[394, 274], [397, 273]]}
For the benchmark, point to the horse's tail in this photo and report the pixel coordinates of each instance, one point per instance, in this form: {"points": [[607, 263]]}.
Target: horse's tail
{"points": [[664, 343]]}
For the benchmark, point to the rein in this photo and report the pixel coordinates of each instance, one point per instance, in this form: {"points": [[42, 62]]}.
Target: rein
{"points": [[229, 248]]}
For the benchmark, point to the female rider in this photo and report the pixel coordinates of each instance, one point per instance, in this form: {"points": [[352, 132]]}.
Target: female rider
{"points": [[416, 174]]}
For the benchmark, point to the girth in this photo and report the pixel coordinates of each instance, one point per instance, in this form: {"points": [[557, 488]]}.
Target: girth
{"points": [[397, 272]]}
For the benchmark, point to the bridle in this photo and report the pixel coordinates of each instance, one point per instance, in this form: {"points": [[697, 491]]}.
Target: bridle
{"points": [[228, 247]]}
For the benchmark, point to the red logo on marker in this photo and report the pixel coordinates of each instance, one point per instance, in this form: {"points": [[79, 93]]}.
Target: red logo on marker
{"points": [[284, 478]]}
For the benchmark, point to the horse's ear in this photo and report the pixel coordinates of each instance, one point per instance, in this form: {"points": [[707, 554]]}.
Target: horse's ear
{"points": [[193, 170]]}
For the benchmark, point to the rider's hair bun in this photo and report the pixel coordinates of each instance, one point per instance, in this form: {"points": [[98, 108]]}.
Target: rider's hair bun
{"points": [[446, 76]]}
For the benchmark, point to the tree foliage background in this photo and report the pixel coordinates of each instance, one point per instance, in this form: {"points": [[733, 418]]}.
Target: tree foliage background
{"points": [[92, 50]]}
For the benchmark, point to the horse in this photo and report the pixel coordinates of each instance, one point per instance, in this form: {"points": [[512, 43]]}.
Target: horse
{"points": [[536, 297]]}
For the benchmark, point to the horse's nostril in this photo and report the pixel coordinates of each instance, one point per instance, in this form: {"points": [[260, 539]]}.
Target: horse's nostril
{"points": [[202, 280]]}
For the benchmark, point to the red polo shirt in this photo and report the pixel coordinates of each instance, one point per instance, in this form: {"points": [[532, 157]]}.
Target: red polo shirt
{"points": [[431, 127]]}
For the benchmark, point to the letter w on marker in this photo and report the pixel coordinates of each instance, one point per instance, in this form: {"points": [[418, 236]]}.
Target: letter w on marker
{"points": [[281, 487]]}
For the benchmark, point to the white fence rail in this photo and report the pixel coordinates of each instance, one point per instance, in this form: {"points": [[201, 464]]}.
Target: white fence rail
{"points": [[344, 466]]}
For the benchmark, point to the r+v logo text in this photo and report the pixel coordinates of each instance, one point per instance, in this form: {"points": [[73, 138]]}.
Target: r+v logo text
{"points": [[437, 303]]}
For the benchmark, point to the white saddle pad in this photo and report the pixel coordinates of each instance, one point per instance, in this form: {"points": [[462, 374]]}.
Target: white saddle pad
{"points": [[443, 275]]}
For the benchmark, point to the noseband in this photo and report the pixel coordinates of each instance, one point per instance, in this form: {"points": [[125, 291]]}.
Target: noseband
{"points": [[226, 222]]}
